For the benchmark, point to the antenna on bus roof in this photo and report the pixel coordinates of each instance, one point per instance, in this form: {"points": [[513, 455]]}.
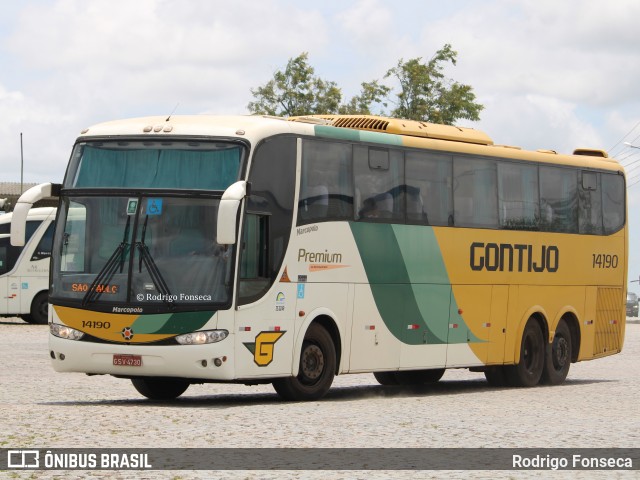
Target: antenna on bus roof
{"points": [[172, 112]]}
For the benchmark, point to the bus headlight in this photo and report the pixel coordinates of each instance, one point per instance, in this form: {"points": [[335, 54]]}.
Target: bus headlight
{"points": [[63, 331], [200, 338]]}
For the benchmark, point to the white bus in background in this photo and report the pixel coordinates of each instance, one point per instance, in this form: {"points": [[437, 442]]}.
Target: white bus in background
{"points": [[24, 271]]}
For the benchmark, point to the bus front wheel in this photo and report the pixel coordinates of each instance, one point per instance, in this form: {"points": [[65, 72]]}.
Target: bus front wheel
{"points": [[316, 371], [528, 371], [158, 388], [39, 309]]}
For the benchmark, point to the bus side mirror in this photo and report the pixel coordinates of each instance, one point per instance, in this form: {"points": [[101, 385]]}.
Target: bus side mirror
{"points": [[228, 212], [24, 204]]}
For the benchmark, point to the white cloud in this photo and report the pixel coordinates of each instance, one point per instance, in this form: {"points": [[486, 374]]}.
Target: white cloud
{"points": [[583, 51], [42, 128], [537, 122], [122, 58]]}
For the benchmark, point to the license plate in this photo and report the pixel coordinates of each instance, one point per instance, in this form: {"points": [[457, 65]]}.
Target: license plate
{"points": [[127, 360]]}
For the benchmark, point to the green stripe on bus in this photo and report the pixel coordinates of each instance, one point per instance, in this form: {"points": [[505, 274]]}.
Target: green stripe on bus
{"points": [[150, 323], [357, 135], [172, 323], [409, 283]]}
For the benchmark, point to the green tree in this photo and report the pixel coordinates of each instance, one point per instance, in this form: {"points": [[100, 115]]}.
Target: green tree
{"points": [[296, 91], [427, 95], [372, 93]]}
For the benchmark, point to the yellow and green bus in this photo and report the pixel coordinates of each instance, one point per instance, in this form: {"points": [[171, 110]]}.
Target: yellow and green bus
{"points": [[249, 249]]}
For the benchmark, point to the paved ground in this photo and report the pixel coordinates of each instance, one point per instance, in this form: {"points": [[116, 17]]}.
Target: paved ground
{"points": [[596, 407]]}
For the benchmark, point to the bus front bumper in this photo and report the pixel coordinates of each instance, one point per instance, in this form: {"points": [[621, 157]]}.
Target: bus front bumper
{"points": [[210, 361]]}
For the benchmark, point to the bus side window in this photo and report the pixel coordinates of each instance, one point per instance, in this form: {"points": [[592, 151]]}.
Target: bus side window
{"points": [[8, 255], [475, 192], [559, 190], [429, 188], [43, 250], [379, 179], [518, 197], [590, 204], [613, 193], [326, 185]]}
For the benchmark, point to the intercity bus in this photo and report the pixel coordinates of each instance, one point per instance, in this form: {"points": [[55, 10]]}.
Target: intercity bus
{"points": [[24, 271], [255, 250]]}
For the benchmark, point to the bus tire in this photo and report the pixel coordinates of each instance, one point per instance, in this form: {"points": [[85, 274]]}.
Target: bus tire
{"points": [[419, 377], [39, 310], [558, 356], [388, 379], [160, 388], [496, 376], [528, 371], [316, 371]]}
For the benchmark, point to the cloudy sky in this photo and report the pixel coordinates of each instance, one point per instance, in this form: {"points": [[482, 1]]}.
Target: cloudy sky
{"points": [[551, 74]]}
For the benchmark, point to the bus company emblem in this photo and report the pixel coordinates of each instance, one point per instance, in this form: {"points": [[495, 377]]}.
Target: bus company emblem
{"points": [[127, 333], [264, 347]]}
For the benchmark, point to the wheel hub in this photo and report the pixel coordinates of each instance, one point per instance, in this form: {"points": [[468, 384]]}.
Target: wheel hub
{"points": [[312, 362], [561, 352]]}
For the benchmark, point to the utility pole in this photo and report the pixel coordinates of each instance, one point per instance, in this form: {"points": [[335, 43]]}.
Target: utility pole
{"points": [[21, 166]]}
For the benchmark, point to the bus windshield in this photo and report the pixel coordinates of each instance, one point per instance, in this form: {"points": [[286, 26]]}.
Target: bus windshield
{"points": [[122, 242]]}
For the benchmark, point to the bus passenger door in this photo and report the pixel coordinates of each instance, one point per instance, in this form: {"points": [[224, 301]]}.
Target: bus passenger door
{"points": [[264, 323]]}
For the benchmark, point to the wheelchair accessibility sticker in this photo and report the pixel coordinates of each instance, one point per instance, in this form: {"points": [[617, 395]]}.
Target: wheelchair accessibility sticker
{"points": [[154, 206]]}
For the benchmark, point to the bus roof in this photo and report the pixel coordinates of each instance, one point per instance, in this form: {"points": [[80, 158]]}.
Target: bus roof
{"points": [[373, 129], [403, 127], [249, 127]]}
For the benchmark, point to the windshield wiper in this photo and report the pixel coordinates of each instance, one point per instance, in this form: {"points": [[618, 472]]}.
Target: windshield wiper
{"points": [[105, 275], [152, 268]]}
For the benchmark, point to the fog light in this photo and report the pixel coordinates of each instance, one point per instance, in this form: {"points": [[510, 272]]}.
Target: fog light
{"points": [[217, 362]]}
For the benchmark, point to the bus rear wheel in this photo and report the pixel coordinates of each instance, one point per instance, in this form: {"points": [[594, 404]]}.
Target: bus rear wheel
{"points": [[528, 371], [316, 371], [160, 388], [558, 356]]}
